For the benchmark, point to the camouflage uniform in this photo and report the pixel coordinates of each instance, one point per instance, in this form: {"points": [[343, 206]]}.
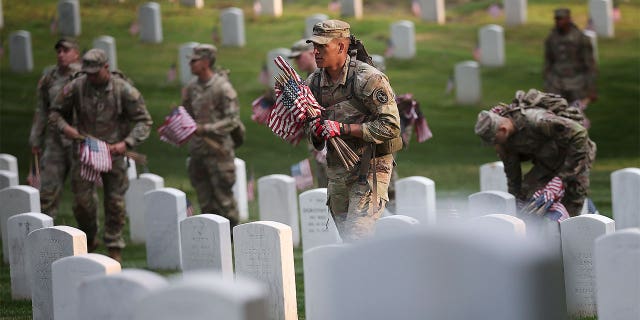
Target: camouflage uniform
{"points": [[56, 159], [107, 113], [214, 105], [557, 146], [363, 96], [569, 66]]}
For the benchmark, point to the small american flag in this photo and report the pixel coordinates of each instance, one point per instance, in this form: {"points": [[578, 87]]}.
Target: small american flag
{"points": [[261, 109], [494, 10], [53, 25], [171, 73], [416, 9], [134, 28], [178, 127], [251, 185], [334, 6], [189, 208], [95, 158], [33, 179], [477, 53], [301, 172]]}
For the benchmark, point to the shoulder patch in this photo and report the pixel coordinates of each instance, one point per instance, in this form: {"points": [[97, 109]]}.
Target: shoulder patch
{"points": [[380, 95]]}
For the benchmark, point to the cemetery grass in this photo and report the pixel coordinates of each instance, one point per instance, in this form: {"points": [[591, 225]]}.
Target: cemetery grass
{"points": [[451, 158]]}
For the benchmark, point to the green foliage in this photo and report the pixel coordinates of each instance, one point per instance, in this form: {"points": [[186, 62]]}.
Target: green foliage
{"points": [[451, 158]]}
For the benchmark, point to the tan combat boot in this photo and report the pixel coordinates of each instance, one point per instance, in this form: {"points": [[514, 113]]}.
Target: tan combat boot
{"points": [[115, 254]]}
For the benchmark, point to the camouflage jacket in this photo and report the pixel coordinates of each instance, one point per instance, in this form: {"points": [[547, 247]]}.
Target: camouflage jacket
{"points": [[363, 95], [48, 87], [214, 105], [556, 145], [568, 61], [113, 113]]}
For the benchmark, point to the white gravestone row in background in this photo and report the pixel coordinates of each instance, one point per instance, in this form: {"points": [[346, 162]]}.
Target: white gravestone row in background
{"points": [[515, 12], [271, 8], [108, 45], [491, 202], [232, 22], [16, 200], [625, 197], [351, 8], [264, 251], [150, 22], [8, 179], [135, 203], [185, 50], [277, 201], [433, 11], [491, 45], [467, 82], [240, 189], [311, 21], [20, 54], [492, 177], [69, 18], [205, 241], [193, 3], [9, 162], [19, 227], [601, 13], [165, 208], [317, 225], [416, 198], [403, 35]]}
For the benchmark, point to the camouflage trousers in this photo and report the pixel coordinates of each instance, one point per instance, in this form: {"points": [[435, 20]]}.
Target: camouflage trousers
{"points": [[213, 181], [85, 202], [55, 166], [351, 201]]}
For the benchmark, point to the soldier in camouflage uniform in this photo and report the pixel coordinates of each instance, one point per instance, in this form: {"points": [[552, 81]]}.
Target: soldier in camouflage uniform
{"points": [[557, 146], [569, 65], [56, 159], [361, 109], [109, 108], [213, 103]]}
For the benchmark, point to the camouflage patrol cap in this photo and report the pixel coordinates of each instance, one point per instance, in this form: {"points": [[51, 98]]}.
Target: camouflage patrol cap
{"points": [[299, 47], [94, 60], [562, 13], [325, 31], [66, 42], [487, 126], [203, 51]]}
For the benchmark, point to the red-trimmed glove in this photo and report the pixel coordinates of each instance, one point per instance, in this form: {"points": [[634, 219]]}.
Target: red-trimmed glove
{"points": [[328, 129]]}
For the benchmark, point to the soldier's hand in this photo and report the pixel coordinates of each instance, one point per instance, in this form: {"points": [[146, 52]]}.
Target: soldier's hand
{"points": [[118, 148], [35, 150], [71, 132], [328, 129]]}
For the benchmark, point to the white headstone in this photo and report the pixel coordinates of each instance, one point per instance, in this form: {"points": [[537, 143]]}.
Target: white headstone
{"points": [[578, 237], [277, 201], [625, 197], [205, 295], [601, 13], [9, 162], [467, 82], [378, 62], [165, 208], [115, 296], [416, 197], [403, 36], [8, 179], [593, 37], [240, 189], [311, 21], [135, 204], [617, 272], [69, 18], [394, 225], [193, 3], [150, 22], [185, 50], [18, 227], [491, 45], [351, 8], [232, 22], [16, 200], [44, 246], [67, 274], [433, 11], [316, 264], [491, 202], [263, 250], [206, 244], [108, 45], [20, 55], [318, 227], [515, 12], [500, 223], [271, 8], [492, 177], [436, 274], [272, 69]]}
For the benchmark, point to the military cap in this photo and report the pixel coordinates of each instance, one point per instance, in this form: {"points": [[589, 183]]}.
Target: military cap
{"points": [[562, 13], [299, 47], [94, 60], [487, 126], [203, 51], [66, 42], [325, 31]]}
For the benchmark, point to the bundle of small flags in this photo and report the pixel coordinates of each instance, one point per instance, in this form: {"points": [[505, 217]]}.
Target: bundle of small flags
{"points": [[95, 159], [411, 115], [261, 108], [546, 201], [178, 127]]}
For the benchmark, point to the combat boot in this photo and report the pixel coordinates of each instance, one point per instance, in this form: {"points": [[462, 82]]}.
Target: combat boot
{"points": [[115, 254]]}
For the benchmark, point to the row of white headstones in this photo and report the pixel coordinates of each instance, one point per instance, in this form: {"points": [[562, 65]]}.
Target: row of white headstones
{"points": [[416, 265]]}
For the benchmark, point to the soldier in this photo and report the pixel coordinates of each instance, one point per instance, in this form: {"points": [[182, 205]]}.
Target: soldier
{"points": [[360, 109], [569, 65], [213, 103], [109, 108], [557, 147], [56, 159], [302, 55]]}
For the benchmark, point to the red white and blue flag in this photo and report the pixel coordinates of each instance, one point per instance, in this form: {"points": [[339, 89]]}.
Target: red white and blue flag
{"points": [[178, 127], [95, 159]]}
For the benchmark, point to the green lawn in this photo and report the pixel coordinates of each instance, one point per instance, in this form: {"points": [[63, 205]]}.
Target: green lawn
{"points": [[451, 158]]}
